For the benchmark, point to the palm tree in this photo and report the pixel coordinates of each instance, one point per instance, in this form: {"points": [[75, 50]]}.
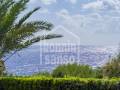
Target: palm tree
{"points": [[14, 34]]}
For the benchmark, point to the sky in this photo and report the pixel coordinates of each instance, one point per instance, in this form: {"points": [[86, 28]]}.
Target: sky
{"points": [[91, 22]]}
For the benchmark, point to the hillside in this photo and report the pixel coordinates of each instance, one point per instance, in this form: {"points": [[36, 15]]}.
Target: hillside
{"points": [[45, 58]]}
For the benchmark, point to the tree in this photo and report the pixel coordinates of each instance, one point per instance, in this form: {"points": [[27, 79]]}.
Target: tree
{"points": [[16, 35], [112, 68], [75, 70]]}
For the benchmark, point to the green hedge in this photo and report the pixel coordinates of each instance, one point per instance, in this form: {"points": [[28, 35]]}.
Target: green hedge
{"points": [[43, 83]]}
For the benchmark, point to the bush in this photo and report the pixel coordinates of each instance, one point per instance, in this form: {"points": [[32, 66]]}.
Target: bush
{"points": [[47, 74], [75, 70], [44, 83], [112, 68], [98, 72]]}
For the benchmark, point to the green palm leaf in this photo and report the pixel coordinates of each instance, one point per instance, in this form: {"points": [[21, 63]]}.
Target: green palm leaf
{"points": [[14, 35]]}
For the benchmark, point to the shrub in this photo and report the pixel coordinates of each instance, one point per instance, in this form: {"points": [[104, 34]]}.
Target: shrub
{"points": [[47, 74], [44, 83], [98, 72], [112, 68], [75, 70]]}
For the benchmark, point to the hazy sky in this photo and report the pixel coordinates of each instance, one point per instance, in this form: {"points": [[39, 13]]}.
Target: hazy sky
{"points": [[95, 22]]}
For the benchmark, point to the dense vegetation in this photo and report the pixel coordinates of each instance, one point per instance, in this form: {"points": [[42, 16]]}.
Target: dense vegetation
{"points": [[75, 70], [44, 83], [112, 68]]}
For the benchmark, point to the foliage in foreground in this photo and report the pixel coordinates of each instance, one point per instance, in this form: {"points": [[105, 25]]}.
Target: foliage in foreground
{"points": [[44, 83], [17, 33]]}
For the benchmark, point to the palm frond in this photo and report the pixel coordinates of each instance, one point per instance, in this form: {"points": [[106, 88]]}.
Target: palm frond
{"points": [[11, 15], [14, 35], [39, 38], [4, 6], [22, 20]]}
